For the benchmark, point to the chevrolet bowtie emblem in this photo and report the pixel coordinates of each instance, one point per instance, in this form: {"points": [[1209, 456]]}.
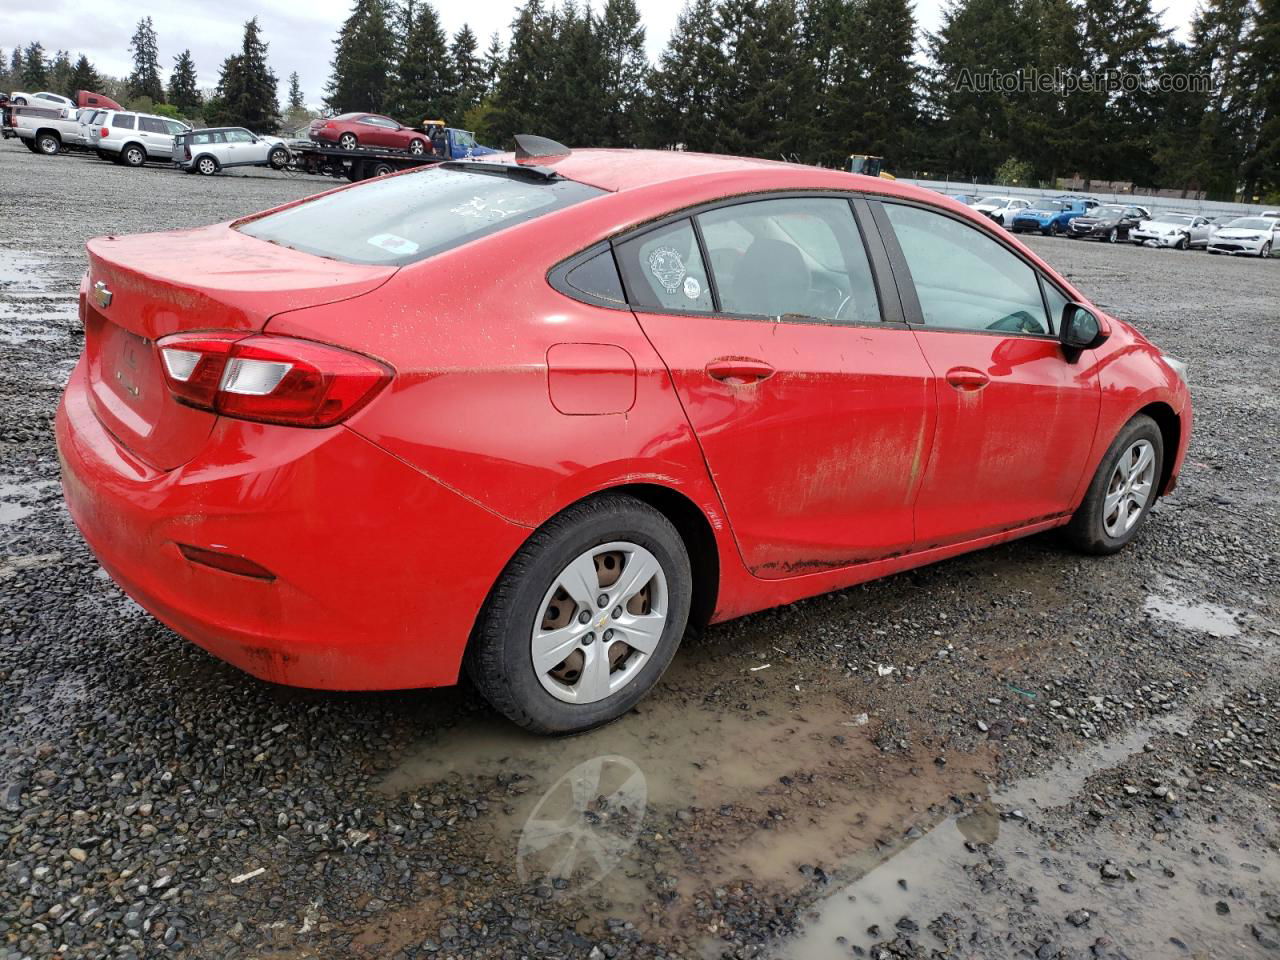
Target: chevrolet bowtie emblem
{"points": [[101, 294]]}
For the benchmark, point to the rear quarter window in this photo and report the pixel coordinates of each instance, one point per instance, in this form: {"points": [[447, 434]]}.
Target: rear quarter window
{"points": [[123, 120], [401, 220]]}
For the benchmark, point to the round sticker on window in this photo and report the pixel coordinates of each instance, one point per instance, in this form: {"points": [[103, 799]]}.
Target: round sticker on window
{"points": [[692, 288]]}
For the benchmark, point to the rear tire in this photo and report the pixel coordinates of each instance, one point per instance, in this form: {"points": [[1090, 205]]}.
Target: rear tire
{"points": [[348, 141], [133, 155], [500, 657], [206, 166], [1122, 491], [49, 144]]}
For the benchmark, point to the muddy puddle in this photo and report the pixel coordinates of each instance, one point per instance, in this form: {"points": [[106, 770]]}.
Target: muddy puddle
{"points": [[681, 797], [1204, 617], [23, 273], [986, 871], [20, 499]]}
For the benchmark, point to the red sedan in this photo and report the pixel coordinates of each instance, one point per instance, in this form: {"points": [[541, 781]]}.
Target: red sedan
{"points": [[542, 415], [354, 130]]}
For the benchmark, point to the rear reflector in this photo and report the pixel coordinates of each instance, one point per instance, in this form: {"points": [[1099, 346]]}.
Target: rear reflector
{"points": [[270, 379], [226, 562]]}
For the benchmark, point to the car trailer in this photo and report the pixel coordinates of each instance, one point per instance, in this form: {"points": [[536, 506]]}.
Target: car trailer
{"points": [[354, 165]]}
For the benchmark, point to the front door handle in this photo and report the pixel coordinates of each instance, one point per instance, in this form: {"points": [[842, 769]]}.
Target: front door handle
{"points": [[739, 371], [967, 379]]}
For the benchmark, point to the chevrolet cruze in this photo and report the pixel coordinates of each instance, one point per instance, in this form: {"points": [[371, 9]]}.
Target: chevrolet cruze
{"points": [[538, 416]]}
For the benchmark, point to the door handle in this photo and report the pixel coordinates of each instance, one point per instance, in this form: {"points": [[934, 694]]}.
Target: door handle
{"points": [[739, 371], [967, 378]]}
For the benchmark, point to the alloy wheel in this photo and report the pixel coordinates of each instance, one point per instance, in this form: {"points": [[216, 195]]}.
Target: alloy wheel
{"points": [[1129, 489], [347, 141], [208, 167], [600, 622], [416, 147]]}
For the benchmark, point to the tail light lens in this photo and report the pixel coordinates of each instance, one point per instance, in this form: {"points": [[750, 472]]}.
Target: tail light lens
{"points": [[270, 379], [104, 132]]}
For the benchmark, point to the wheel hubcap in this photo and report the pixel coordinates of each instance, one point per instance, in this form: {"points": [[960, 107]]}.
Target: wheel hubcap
{"points": [[600, 622], [1129, 489]]}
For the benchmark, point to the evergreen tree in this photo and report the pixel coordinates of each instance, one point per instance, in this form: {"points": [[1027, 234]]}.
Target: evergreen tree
{"points": [[296, 100], [84, 76], [184, 91], [973, 124], [60, 74], [626, 69], [520, 98], [1219, 38], [247, 87], [494, 57], [425, 77], [35, 72], [1261, 169], [1047, 125], [686, 87], [362, 64], [469, 80], [17, 67], [873, 102], [144, 81]]}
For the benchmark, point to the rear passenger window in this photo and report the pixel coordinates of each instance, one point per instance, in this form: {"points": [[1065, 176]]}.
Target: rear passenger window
{"points": [[598, 278], [152, 125], [964, 279], [791, 257], [123, 120], [664, 270]]}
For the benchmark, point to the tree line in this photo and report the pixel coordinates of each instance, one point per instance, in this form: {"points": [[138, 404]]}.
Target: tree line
{"points": [[808, 80]]}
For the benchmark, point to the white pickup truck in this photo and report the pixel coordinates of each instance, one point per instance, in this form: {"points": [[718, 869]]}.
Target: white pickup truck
{"points": [[46, 130]]}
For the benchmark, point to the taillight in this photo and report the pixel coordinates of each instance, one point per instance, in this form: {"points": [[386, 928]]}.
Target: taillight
{"points": [[270, 379], [104, 132]]}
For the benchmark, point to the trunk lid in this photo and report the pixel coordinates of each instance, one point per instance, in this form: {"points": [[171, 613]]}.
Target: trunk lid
{"points": [[142, 288]]}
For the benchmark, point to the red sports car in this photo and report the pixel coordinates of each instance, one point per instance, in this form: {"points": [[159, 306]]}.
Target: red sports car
{"points": [[353, 130], [540, 415]]}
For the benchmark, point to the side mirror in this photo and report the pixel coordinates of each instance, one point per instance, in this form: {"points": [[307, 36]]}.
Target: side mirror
{"points": [[1080, 330]]}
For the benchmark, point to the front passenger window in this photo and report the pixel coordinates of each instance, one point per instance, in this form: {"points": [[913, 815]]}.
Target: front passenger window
{"points": [[964, 279]]}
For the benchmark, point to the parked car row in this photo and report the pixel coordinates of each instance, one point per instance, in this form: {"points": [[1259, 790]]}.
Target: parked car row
{"points": [[1086, 218]]}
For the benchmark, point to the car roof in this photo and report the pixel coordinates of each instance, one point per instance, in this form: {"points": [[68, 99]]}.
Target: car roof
{"points": [[621, 169]]}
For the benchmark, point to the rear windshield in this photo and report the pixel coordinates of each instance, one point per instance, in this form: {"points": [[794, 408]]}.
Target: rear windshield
{"points": [[399, 220]]}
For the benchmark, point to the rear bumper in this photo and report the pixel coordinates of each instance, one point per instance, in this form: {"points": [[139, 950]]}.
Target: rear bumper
{"points": [[379, 570]]}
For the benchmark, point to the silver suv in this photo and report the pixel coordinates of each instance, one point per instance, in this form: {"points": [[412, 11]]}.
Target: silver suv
{"points": [[215, 148], [133, 138]]}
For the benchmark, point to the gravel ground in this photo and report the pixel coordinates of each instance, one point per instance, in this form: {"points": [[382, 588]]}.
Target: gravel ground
{"points": [[1069, 757]]}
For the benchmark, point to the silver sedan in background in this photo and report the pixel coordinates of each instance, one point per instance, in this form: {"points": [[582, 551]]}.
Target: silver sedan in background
{"points": [[1179, 230]]}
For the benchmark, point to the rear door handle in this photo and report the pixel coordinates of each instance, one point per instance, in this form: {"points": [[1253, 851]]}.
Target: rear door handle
{"points": [[738, 371], [967, 378]]}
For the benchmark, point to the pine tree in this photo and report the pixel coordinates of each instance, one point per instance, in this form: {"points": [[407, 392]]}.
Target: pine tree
{"points": [[60, 74], [247, 87], [972, 130], [521, 95], [144, 81], [425, 77], [1124, 39], [35, 72], [84, 76], [184, 91], [494, 57], [1220, 38], [17, 67], [686, 86], [296, 100], [874, 100], [469, 80], [363, 77], [1261, 169], [626, 70]]}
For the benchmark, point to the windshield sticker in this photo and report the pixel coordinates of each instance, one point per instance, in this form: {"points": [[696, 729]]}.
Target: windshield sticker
{"points": [[692, 288], [667, 265], [508, 206], [393, 244]]}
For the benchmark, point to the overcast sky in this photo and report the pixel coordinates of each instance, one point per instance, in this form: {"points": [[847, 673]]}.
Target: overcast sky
{"points": [[300, 34]]}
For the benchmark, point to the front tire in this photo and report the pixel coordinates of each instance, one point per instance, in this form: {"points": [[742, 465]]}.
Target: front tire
{"points": [[1265, 251], [1122, 491], [1113, 236], [278, 159], [417, 148], [585, 618]]}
